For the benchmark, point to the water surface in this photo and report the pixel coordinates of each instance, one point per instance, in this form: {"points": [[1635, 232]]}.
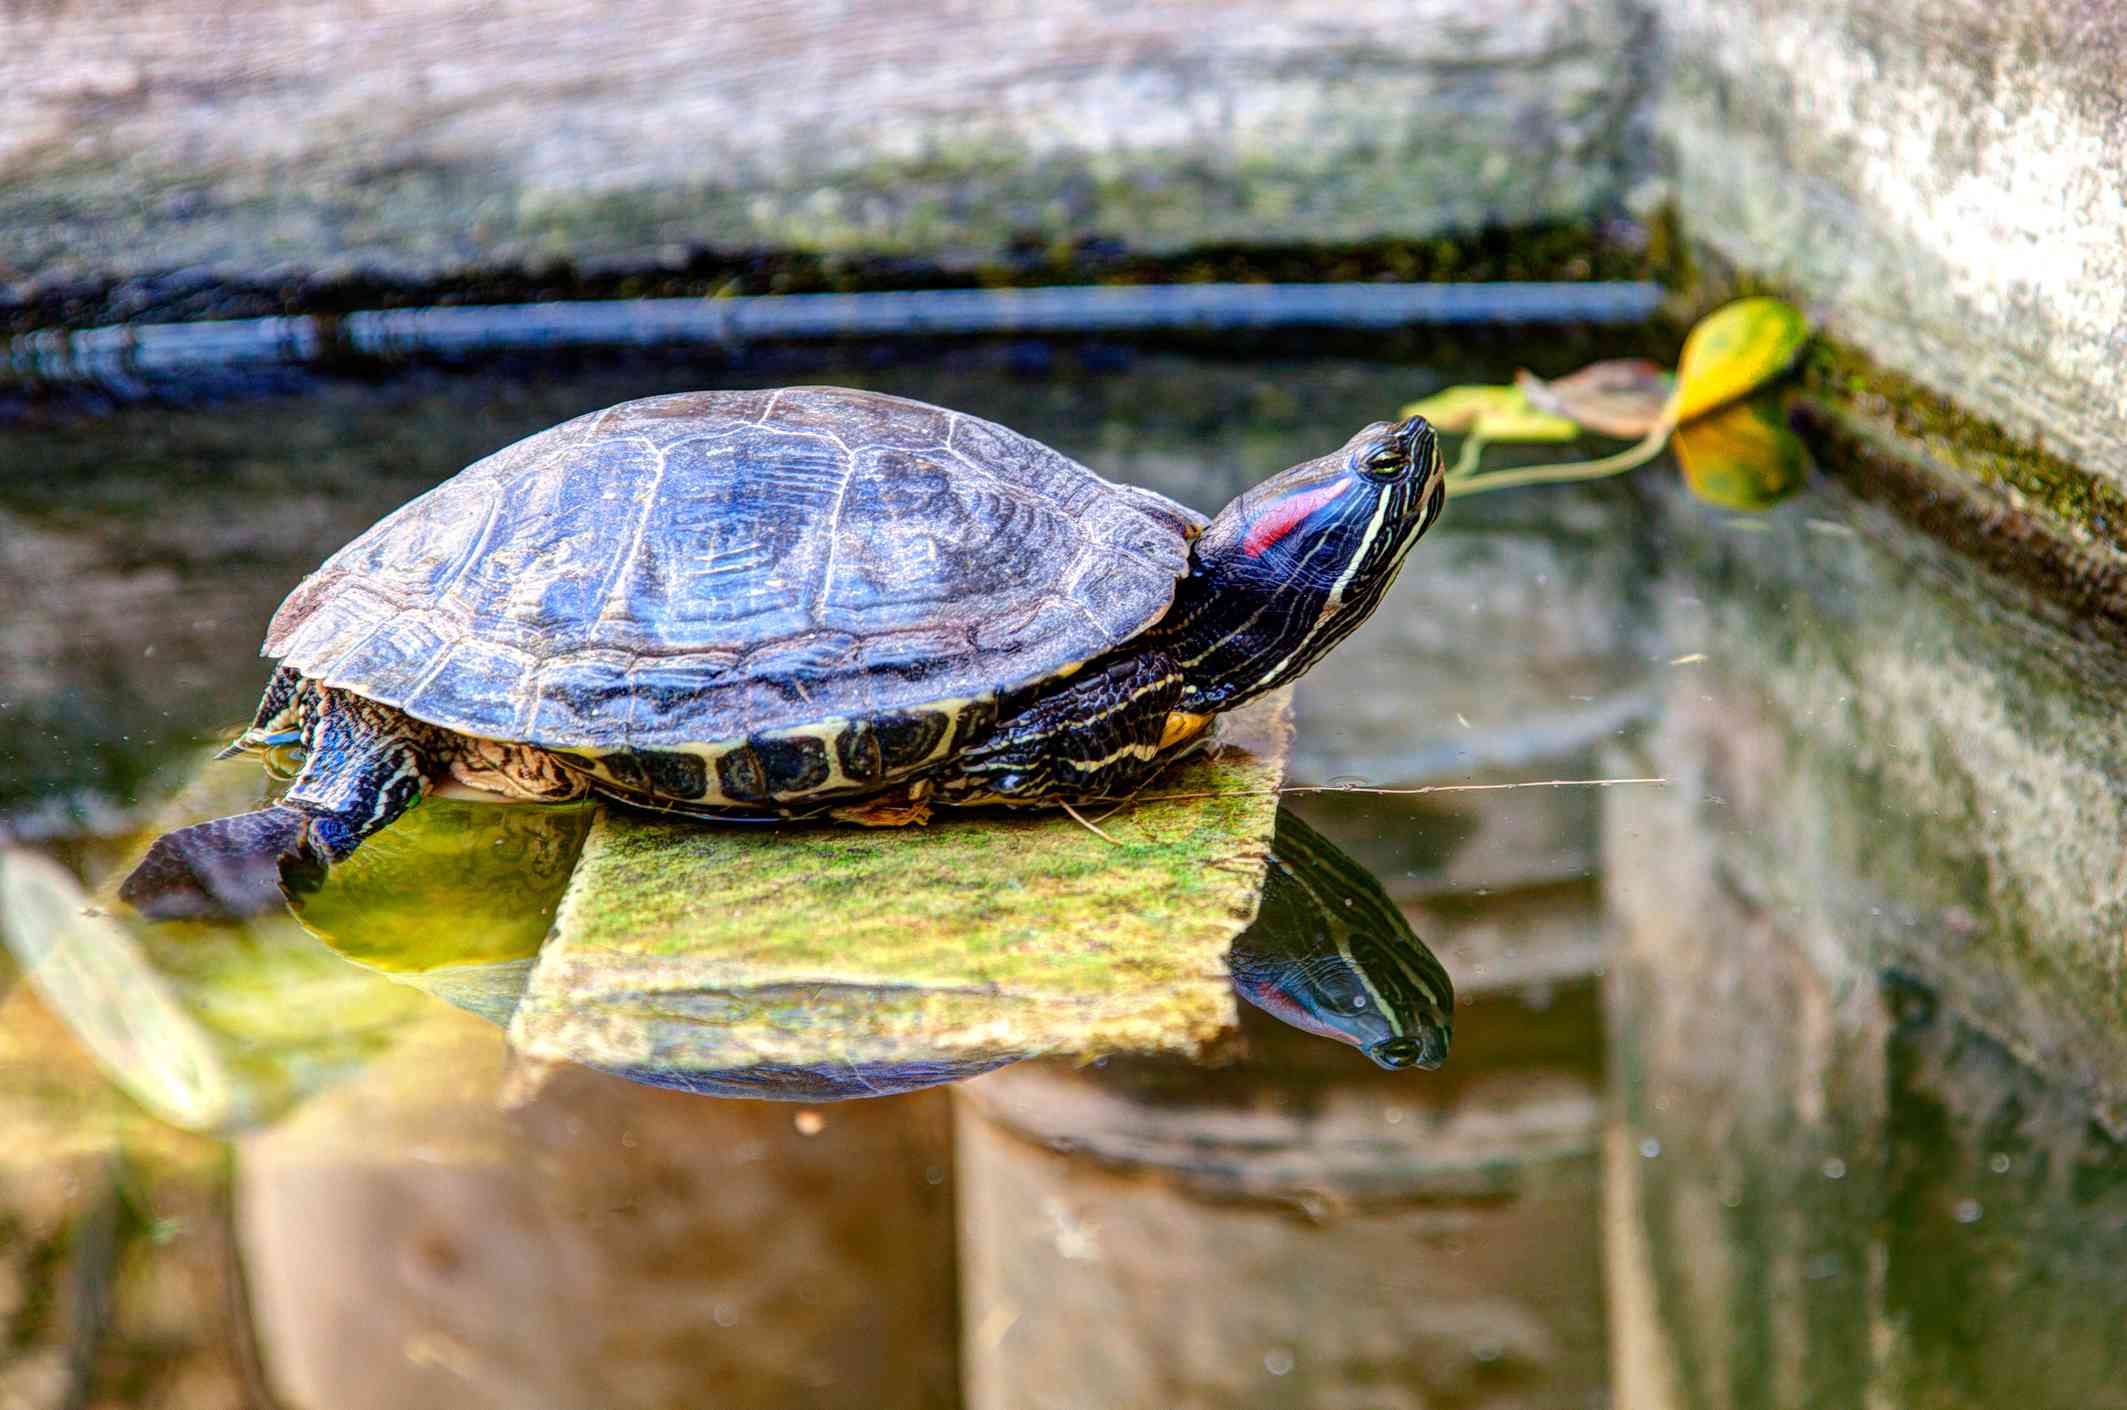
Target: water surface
{"points": [[1795, 1081]]}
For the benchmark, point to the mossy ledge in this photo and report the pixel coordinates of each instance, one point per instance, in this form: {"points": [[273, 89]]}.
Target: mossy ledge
{"points": [[2019, 508]]}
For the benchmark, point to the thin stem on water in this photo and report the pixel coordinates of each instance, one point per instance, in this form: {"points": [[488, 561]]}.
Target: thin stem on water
{"points": [[1466, 463], [1630, 458]]}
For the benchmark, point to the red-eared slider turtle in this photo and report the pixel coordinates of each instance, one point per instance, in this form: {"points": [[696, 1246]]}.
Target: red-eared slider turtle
{"points": [[783, 603]]}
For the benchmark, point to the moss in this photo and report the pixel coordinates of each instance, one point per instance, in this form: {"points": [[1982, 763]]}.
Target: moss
{"points": [[971, 938], [1848, 380]]}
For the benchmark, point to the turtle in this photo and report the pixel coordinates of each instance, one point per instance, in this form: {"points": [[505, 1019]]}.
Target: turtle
{"points": [[797, 602]]}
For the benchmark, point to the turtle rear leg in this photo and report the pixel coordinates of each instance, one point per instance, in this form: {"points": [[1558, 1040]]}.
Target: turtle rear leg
{"points": [[1098, 737], [364, 764]]}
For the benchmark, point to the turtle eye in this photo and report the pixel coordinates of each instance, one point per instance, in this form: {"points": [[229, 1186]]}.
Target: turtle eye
{"points": [[1384, 460]]}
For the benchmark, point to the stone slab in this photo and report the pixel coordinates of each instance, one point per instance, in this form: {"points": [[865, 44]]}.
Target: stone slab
{"points": [[972, 939]]}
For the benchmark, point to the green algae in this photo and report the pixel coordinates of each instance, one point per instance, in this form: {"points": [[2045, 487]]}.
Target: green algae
{"points": [[1858, 389], [973, 938]]}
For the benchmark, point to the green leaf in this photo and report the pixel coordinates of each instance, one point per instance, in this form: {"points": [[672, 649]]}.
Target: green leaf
{"points": [[974, 939], [1733, 351], [1741, 457], [1457, 409], [1497, 415]]}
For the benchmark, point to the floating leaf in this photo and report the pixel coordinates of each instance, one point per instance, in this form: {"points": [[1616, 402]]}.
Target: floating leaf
{"points": [[1621, 397], [1458, 409], [975, 939], [1733, 351], [1498, 415], [1741, 457], [1524, 425]]}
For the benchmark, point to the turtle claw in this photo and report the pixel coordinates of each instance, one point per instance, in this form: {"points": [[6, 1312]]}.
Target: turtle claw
{"points": [[894, 810], [226, 869]]}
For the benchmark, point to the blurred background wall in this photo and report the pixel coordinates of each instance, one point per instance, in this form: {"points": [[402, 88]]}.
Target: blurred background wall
{"points": [[307, 137]]}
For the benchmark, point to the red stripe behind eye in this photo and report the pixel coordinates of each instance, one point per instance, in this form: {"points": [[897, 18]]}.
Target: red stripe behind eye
{"points": [[1285, 516]]}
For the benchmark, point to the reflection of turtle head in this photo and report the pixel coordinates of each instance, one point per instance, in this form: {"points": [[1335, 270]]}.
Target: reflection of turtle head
{"points": [[1331, 954]]}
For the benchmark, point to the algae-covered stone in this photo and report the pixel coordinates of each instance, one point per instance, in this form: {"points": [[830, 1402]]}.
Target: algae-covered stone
{"points": [[715, 949]]}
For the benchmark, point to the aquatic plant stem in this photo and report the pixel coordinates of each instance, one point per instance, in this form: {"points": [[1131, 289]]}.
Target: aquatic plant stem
{"points": [[1461, 482], [1466, 462]]}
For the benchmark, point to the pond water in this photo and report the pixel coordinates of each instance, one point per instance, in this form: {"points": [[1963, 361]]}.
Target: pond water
{"points": [[1795, 1078]]}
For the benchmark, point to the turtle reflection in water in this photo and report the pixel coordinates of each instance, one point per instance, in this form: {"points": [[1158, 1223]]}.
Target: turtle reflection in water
{"points": [[1330, 952], [787, 603]]}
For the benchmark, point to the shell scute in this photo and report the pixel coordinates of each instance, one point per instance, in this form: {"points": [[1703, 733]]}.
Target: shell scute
{"points": [[481, 683]]}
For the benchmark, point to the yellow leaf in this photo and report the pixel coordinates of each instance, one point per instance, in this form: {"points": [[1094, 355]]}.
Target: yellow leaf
{"points": [[1732, 352], [1741, 457]]}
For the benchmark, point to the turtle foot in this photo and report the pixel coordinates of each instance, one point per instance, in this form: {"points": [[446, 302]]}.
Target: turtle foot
{"points": [[226, 869], [895, 810]]}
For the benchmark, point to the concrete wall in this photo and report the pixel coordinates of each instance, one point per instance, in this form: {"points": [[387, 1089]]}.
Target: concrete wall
{"points": [[1942, 180], [266, 138]]}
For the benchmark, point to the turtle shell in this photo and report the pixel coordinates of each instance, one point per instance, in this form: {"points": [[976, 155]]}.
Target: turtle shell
{"points": [[701, 567]]}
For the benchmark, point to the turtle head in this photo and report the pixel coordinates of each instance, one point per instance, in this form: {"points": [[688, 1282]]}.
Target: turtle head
{"points": [[1286, 571]]}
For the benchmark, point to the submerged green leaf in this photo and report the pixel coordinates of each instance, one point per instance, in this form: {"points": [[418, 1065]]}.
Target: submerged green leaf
{"points": [[1741, 457]]}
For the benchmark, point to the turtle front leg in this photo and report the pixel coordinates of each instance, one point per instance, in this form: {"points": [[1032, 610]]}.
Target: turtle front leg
{"points": [[279, 717], [364, 765], [1098, 737]]}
